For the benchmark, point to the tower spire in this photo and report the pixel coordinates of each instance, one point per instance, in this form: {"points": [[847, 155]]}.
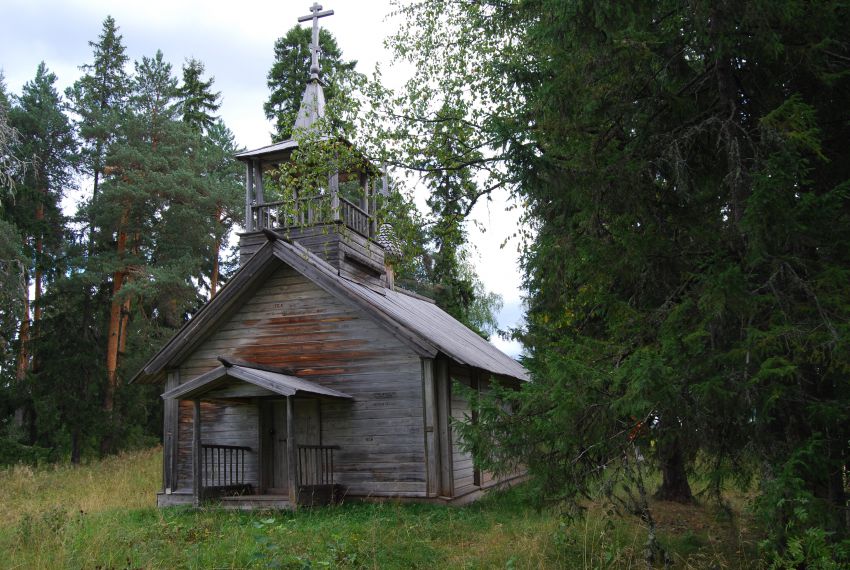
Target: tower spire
{"points": [[316, 13], [313, 100]]}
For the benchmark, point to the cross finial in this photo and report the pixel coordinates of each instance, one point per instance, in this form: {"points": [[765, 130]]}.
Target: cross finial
{"points": [[317, 13]]}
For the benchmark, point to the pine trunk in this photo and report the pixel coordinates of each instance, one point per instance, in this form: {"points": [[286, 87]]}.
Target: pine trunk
{"points": [[215, 269], [22, 365], [125, 322], [125, 309], [114, 333], [39, 250], [674, 484]]}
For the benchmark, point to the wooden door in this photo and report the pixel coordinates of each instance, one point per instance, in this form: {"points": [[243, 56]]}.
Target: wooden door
{"points": [[275, 460], [307, 432]]}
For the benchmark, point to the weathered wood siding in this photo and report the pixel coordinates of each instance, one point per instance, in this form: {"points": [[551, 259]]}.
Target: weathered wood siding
{"points": [[463, 469], [355, 256], [487, 477], [294, 324]]}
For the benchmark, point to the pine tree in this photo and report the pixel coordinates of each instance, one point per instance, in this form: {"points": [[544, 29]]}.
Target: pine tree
{"points": [[223, 179], [157, 218], [98, 99], [130, 200], [216, 148], [48, 143]]}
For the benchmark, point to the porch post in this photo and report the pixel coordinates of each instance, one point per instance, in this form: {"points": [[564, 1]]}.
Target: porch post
{"points": [[262, 480], [169, 435], [291, 452], [333, 186], [432, 445], [249, 197], [197, 486]]}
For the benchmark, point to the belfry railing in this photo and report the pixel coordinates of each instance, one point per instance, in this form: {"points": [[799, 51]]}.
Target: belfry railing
{"points": [[282, 214]]}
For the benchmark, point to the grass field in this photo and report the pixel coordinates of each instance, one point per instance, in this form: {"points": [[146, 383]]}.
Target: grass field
{"points": [[102, 515]]}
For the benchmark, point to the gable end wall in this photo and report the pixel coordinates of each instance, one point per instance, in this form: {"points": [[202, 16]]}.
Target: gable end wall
{"points": [[292, 323]]}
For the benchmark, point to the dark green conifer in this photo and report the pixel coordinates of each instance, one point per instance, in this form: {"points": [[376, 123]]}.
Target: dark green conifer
{"points": [[98, 99], [291, 70], [199, 103]]}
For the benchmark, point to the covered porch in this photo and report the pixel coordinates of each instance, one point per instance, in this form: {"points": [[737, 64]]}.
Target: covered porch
{"points": [[256, 439]]}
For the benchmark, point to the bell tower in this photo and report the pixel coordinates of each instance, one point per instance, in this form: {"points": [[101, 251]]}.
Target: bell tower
{"points": [[340, 227]]}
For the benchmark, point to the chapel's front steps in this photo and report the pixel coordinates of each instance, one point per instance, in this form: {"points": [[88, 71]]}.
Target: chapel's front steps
{"points": [[241, 502]]}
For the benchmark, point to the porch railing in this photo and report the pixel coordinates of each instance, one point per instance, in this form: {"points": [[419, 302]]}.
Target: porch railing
{"points": [[316, 465], [309, 211], [223, 468]]}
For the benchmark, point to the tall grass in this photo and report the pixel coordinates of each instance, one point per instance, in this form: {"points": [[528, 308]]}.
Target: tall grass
{"points": [[126, 481], [102, 516]]}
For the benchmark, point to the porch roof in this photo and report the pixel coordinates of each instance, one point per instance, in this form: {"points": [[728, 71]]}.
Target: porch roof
{"points": [[276, 382]]}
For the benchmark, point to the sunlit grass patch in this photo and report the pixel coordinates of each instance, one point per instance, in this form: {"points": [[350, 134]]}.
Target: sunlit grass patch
{"points": [[126, 481]]}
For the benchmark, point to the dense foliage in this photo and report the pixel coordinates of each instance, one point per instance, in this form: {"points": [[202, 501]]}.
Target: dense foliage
{"points": [[161, 191], [685, 172]]}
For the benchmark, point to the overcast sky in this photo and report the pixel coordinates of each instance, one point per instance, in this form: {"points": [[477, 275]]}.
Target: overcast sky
{"points": [[234, 40]]}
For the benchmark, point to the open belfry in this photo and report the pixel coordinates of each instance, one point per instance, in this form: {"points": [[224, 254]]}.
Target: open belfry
{"points": [[311, 377]]}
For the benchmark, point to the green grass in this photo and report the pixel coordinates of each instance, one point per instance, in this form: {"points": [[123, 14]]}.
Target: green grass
{"points": [[102, 515]]}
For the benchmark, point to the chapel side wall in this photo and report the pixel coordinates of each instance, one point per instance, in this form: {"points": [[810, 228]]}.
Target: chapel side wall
{"points": [[463, 469], [462, 466], [292, 323]]}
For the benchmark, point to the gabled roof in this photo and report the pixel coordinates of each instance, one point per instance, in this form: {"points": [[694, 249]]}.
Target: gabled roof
{"points": [[417, 322], [282, 384]]}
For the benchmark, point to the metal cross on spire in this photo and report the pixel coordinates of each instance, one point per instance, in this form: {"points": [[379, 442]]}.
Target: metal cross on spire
{"points": [[317, 13]]}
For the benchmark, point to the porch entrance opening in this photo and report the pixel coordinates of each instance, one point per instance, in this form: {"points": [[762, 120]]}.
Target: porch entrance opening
{"points": [[274, 460]]}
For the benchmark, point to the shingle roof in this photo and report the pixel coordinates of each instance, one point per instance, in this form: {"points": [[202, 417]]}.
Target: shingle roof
{"points": [[417, 322]]}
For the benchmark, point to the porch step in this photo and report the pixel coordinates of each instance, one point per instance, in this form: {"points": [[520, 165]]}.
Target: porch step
{"points": [[247, 502]]}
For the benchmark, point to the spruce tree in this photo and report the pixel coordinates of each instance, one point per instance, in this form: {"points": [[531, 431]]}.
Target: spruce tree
{"points": [[291, 70], [47, 143], [685, 178], [199, 103]]}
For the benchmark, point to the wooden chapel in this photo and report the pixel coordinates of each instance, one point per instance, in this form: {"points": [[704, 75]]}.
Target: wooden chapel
{"points": [[311, 376]]}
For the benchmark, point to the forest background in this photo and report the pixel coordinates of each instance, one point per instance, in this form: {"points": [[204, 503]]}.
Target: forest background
{"points": [[684, 171]]}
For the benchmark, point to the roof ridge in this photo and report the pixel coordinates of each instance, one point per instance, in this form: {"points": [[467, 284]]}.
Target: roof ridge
{"points": [[413, 294]]}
